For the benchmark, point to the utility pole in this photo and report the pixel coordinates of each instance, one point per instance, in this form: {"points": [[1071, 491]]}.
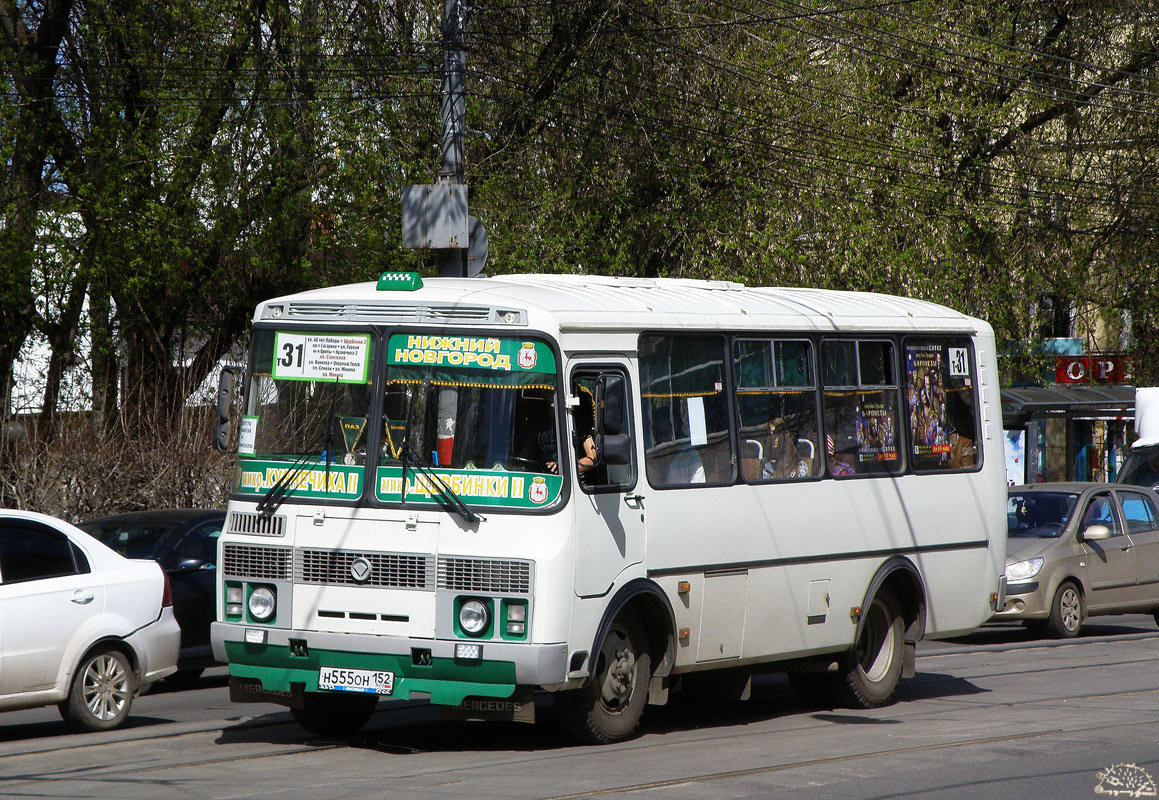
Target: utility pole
{"points": [[453, 108], [453, 116], [435, 216]]}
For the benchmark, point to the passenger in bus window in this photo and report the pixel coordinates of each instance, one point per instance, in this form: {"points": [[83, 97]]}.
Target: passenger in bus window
{"points": [[788, 455], [686, 468], [840, 460], [960, 413]]}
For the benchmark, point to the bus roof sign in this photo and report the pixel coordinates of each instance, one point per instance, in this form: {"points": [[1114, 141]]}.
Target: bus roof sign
{"points": [[399, 282]]}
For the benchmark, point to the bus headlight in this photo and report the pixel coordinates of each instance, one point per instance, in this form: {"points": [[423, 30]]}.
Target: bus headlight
{"points": [[1024, 570], [262, 604], [474, 618]]}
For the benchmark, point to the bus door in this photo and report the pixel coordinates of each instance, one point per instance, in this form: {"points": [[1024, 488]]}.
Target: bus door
{"points": [[608, 498]]}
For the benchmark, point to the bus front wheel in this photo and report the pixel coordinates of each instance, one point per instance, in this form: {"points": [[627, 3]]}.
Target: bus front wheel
{"points": [[334, 714], [609, 706], [870, 671]]}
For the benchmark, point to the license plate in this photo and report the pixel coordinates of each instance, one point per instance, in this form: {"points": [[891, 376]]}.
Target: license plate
{"points": [[368, 681]]}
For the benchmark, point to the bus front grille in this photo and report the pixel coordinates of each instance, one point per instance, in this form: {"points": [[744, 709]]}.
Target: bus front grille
{"points": [[485, 575], [386, 570], [257, 524], [253, 561]]}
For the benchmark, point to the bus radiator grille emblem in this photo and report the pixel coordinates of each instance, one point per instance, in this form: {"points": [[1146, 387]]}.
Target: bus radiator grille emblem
{"points": [[360, 569]]}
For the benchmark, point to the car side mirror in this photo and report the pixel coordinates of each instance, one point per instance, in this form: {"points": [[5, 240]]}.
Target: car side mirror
{"points": [[1095, 532]]}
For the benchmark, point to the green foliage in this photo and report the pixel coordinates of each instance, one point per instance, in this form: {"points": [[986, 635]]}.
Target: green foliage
{"points": [[208, 154]]}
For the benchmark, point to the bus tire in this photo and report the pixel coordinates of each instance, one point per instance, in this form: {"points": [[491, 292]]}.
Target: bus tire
{"points": [[1066, 612], [609, 705], [334, 714], [870, 671]]}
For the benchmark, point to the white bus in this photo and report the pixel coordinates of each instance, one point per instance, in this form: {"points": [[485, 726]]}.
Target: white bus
{"points": [[795, 480]]}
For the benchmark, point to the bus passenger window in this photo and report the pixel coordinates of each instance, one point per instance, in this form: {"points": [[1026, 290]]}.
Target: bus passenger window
{"points": [[940, 403], [777, 408], [686, 416], [860, 401]]}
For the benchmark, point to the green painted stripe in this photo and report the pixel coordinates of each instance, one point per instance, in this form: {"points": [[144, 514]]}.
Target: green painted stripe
{"points": [[447, 681]]}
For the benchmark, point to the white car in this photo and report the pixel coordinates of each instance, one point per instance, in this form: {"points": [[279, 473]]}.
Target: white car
{"points": [[80, 626]]}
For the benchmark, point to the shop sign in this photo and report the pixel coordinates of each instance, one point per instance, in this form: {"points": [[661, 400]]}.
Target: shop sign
{"points": [[1092, 369]]}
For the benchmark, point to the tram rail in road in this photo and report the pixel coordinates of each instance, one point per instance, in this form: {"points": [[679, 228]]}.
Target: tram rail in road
{"points": [[996, 714]]}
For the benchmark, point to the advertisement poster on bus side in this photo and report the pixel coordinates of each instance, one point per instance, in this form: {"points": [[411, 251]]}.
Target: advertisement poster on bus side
{"points": [[926, 393], [876, 437]]}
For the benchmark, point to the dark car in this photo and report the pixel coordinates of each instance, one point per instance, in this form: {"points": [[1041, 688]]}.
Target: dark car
{"points": [[184, 543]]}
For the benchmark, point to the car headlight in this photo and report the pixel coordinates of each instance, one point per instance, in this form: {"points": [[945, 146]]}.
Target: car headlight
{"points": [[1024, 570], [262, 604], [474, 618]]}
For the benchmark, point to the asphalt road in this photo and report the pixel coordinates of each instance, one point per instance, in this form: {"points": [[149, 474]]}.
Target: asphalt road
{"points": [[997, 714]]}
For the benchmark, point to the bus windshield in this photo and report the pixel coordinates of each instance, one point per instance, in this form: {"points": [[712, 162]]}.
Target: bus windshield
{"points": [[479, 412], [305, 428]]}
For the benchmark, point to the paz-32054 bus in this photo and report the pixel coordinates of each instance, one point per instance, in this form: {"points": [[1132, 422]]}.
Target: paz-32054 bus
{"points": [[791, 479]]}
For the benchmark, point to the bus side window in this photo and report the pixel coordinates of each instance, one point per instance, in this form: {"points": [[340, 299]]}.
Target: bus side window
{"points": [[686, 415], [939, 390], [776, 400]]}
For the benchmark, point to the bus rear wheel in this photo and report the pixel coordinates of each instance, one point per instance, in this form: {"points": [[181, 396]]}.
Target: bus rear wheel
{"points": [[870, 671], [609, 706], [334, 714]]}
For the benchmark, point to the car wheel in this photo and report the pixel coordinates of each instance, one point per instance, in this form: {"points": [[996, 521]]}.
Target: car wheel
{"points": [[101, 692], [609, 705], [1066, 612], [334, 714], [870, 671]]}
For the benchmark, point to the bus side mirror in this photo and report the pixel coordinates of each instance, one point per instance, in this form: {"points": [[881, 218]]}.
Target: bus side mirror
{"points": [[614, 449], [221, 432], [609, 404]]}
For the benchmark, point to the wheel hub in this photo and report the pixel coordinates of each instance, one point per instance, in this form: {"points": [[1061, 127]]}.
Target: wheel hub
{"points": [[617, 684]]}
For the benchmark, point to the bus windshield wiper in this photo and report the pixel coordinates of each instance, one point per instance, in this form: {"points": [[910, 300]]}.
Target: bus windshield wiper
{"points": [[285, 486], [451, 500]]}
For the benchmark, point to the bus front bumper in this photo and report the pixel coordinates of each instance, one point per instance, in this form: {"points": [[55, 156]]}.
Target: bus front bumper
{"points": [[285, 663]]}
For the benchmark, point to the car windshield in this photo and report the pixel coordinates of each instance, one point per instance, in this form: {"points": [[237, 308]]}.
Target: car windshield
{"points": [[130, 538], [1038, 514], [1140, 468]]}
